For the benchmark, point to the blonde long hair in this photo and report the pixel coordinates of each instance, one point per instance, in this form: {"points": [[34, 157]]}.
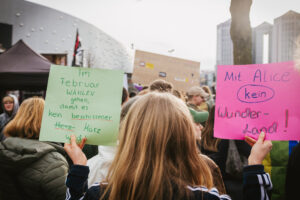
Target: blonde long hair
{"points": [[157, 152], [27, 122], [208, 142]]}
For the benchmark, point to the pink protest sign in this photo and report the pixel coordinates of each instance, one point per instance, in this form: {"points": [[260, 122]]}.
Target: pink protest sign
{"points": [[255, 98]]}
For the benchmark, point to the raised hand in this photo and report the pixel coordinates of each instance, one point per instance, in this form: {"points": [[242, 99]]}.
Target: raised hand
{"points": [[260, 149], [74, 151]]}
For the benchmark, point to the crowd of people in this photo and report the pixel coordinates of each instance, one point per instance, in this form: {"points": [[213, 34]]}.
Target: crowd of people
{"points": [[166, 150]]}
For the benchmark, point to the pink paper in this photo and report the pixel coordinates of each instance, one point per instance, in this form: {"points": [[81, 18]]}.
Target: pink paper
{"points": [[251, 98]]}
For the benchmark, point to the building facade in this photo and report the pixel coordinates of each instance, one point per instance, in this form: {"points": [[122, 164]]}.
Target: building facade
{"points": [[285, 32], [224, 44], [270, 43], [52, 33], [182, 73], [262, 43]]}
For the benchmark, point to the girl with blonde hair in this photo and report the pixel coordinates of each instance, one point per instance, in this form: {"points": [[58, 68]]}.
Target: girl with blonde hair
{"points": [[157, 157], [30, 169]]}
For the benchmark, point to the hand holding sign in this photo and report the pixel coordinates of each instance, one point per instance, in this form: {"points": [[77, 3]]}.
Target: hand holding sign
{"points": [[85, 101], [259, 150], [74, 151], [255, 98]]}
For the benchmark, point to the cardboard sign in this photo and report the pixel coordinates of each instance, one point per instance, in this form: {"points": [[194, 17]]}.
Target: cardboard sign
{"points": [[84, 102], [255, 98]]}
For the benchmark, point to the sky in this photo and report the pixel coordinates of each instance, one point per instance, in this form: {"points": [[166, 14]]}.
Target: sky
{"points": [[181, 28]]}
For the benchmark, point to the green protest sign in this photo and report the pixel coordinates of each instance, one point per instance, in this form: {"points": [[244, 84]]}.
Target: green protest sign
{"points": [[84, 102]]}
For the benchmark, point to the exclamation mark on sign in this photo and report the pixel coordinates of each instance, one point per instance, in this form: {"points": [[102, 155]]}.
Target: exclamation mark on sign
{"points": [[286, 119]]}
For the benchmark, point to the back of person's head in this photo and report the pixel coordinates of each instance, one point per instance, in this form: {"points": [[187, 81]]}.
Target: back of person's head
{"points": [[127, 106], [207, 90], [143, 92], [157, 152], [27, 122], [195, 91], [161, 86], [125, 95], [208, 142]]}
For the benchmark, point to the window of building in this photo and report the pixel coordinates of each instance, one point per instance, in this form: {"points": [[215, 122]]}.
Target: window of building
{"points": [[162, 74]]}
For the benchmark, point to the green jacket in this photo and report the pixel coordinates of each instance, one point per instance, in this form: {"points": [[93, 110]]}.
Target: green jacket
{"points": [[30, 169]]}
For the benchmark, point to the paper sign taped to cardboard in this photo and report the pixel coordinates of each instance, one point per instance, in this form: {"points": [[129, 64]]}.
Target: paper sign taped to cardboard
{"points": [[255, 98], [84, 102]]}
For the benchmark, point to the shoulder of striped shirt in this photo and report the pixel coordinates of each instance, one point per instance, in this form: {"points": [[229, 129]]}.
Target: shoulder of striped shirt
{"points": [[265, 183], [212, 191]]}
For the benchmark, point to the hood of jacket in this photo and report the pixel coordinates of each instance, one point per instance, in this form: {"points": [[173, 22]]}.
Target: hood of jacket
{"points": [[17, 153], [5, 117]]}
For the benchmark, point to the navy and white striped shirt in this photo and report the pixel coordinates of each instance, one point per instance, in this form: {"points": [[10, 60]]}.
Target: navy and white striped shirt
{"points": [[256, 185]]}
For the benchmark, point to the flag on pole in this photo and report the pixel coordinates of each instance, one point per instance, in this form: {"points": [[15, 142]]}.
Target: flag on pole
{"points": [[78, 52]]}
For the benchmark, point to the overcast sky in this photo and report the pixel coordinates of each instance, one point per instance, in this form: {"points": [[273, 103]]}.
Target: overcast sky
{"points": [[187, 26]]}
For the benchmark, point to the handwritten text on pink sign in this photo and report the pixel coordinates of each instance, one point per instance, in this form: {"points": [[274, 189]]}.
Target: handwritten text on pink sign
{"points": [[255, 98]]}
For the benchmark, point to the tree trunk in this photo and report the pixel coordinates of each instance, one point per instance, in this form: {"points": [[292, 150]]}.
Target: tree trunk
{"points": [[240, 31]]}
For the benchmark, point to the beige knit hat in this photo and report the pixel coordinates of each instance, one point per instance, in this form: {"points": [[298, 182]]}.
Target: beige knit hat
{"points": [[196, 90]]}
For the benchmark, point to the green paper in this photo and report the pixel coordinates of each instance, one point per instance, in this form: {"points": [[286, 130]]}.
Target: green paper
{"points": [[83, 102]]}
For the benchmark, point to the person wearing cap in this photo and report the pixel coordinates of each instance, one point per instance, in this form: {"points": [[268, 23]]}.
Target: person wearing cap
{"points": [[199, 118], [196, 96]]}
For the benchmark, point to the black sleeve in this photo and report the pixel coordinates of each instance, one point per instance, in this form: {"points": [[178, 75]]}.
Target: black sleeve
{"points": [[221, 156], [256, 183], [293, 174], [77, 182], [243, 148]]}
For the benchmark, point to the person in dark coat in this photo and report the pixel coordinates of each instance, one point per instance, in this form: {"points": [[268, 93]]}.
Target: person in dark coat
{"points": [[217, 150], [30, 169]]}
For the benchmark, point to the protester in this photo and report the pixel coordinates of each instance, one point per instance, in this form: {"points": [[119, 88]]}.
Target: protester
{"points": [[293, 167], [210, 99], [196, 96], [209, 144], [178, 94], [30, 169], [218, 149], [293, 174], [157, 158], [161, 86], [145, 91], [125, 96], [100, 163], [10, 106]]}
